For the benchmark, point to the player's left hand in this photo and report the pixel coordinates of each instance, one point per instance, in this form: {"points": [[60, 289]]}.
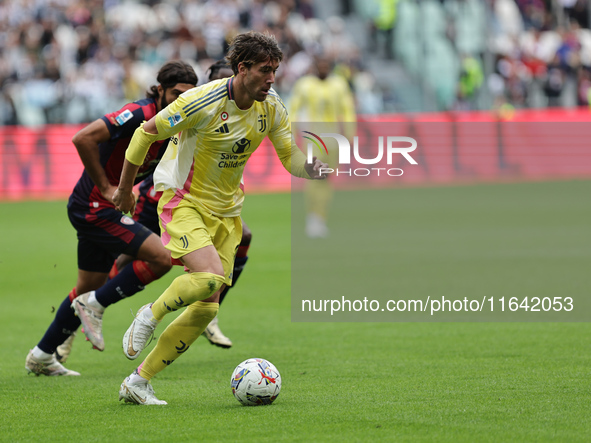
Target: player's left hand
{"points": [[315, 169]]}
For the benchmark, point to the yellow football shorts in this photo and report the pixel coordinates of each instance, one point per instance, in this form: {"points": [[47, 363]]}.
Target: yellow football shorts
{"points": [[187, 227]]}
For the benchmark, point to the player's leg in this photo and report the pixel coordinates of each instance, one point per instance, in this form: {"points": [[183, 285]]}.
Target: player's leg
{"points": [[318, 195], [188, 235], [63, 351], [42, 359], [203, 281], [122, 261], [209, 267], [99, 242], [181, 333], [213, 332], [87, 281], [174, 341], [240, 260], [146, 214], [153, 261]]}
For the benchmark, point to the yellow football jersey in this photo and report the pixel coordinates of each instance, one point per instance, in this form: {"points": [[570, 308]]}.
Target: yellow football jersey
{"points": [[329, 100], [215, 139]]}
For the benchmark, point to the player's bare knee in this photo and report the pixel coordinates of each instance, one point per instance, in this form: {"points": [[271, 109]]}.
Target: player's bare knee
{"points": [[215, 298], [217, 269], [157, 257]]}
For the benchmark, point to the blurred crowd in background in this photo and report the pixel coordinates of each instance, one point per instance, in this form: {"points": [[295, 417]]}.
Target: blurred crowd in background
{"points": [[71, 61]]}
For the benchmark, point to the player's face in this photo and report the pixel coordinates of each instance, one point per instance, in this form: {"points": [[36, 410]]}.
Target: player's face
{"points": [[167, 96], [259, 79], [323, 67]]}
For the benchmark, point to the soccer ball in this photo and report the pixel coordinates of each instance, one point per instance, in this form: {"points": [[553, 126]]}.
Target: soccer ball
{"points": [[256, 382]]}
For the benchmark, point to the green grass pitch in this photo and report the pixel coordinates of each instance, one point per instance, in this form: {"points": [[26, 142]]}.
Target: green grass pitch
{"points": [[341, 381]]}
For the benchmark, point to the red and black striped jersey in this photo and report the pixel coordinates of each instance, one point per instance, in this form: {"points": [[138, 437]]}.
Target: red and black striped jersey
{"points": [[121, 124]]}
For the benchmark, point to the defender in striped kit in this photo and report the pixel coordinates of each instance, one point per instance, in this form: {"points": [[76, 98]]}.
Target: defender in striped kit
{"points": [[103, 232]]}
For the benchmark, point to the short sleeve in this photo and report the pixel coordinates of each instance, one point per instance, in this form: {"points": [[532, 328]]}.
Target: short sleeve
{"points": [[122, 123]]}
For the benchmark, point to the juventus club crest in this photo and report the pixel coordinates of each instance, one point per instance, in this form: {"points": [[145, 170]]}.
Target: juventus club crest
{"points": [[262, 122]]}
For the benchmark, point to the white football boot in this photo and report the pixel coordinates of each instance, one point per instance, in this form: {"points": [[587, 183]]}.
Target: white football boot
{"points": [[316, 226], [50, 367], [215, 335], [92, 320], [137, 336], [63, 351], [139, 393]]}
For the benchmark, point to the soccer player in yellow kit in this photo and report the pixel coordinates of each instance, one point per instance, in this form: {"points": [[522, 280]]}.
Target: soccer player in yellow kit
{"points": [[325, 102], [219, 125]]}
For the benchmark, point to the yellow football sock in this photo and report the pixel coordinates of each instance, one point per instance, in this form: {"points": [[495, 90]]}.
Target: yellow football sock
{"points": [[185, 290], [178, 336]]}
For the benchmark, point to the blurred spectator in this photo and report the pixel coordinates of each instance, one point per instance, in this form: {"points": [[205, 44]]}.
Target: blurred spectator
{"points": [[584, 87], [72, 60], [577, 11], [555, 80], [535, 15], [7, 109], [325, 101], [471, 78], [383, 26]]}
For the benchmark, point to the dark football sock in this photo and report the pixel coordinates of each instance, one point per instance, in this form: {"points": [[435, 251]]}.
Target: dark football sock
{"points": [[239, 263], [131, 279], [64, 324]]}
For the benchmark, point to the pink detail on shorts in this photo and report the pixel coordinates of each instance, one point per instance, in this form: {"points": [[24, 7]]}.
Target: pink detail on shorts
{"points": [[166, 215]]}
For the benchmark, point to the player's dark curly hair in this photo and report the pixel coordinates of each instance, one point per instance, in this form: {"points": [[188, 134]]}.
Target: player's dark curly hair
{"points": [[217, 67], [172, 73], [251, 48]]}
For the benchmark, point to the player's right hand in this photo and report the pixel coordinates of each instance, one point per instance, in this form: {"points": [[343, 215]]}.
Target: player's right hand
{"points": [[314, 169], [124, 201]]}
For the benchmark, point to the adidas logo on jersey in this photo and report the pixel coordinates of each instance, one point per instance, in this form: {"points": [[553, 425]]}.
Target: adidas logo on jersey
{"points": [[223, 129]]}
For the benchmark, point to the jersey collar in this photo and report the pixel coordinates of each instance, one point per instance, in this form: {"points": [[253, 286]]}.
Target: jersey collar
{"points": [[230, 86]]}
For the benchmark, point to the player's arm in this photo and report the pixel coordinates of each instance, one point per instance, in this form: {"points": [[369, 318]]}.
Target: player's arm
{"points": [[296, 163], [168, 122], [291, 157], [87, 142], [140, 143]]}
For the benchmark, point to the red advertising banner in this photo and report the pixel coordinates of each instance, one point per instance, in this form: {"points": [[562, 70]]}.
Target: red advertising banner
{"points": [[42, 163], [461, 151], [38, 163], [549, 144]]}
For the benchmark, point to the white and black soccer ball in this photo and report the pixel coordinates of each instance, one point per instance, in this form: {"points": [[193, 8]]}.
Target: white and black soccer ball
{"points": [[256, 381]]}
